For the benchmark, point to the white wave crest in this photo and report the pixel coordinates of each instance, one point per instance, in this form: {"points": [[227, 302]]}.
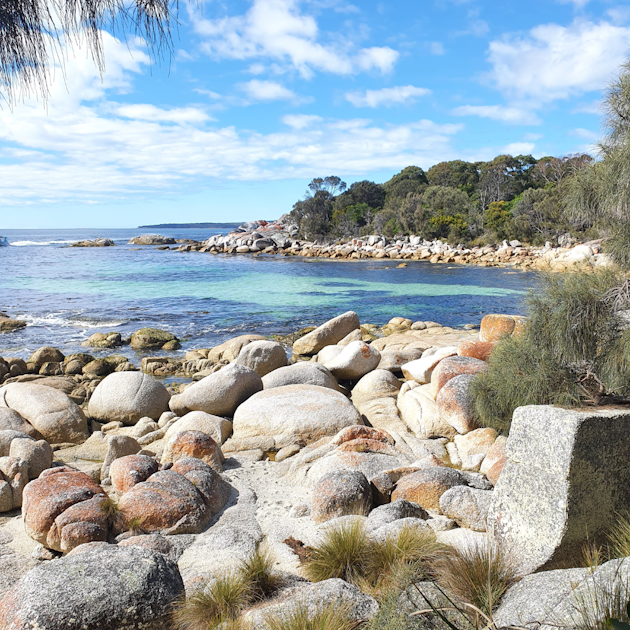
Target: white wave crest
{"points": [[38, 243], [57, 319]]}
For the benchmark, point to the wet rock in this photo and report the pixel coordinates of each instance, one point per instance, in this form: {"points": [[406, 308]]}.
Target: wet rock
{"points": [[128, 396], [150, 339], [105, 587], [9, 325], [46, 355], [103, 340]]}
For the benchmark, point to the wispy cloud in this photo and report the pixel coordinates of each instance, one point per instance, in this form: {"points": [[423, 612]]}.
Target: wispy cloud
{"points": [[506, 114], [257, 90], [277, 30], [387, 97]]}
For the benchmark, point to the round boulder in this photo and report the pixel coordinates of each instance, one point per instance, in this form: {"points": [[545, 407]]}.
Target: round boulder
{"points": [[11, 420], [220, 393], [294, 414], [262, 357], [341, 493], [219, 429], [126, 472], [46, 355], [48, 410], [150, 339], [426, 486], [456, 405], [105, 587], [65, 508], [454, 366], [128, 396], [193, 444], [302, 373], [354, 361], [37, 455], [476, 349]]}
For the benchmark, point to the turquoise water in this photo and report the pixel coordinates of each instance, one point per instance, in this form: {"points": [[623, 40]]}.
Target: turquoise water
{"points": [[66, 294]]}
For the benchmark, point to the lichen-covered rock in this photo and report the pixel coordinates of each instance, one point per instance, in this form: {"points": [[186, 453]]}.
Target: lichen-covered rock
{"points": [[219, 429], [340, 493], [103, 340], [426, 486], [303, 373], [495, 454], [125, 472], [454, 366], [456, 405], [354, 361], [64, 508], [361, 432], [150, 339], [421, 414], [294, 414], [496, 327], [105, 587], [193, 444], [566, 474], [393, 360], [262, 357], [476, 349], [314, 598], [421, 369], [48, 410], [328, 334], [181, 500], [128, 396], [467, 506], [220, 393]]}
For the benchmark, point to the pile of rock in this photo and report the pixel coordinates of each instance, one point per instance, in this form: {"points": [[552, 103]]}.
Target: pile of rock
{"points": [[380, 430]]}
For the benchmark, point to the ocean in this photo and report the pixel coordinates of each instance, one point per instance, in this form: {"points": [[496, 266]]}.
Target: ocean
{"points": [[66, 294]]}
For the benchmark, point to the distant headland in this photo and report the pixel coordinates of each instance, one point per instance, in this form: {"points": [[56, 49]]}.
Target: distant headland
{"points": [[197, 226]]}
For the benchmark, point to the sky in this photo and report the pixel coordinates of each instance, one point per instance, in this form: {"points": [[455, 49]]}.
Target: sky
{"points": [[261, 96]]}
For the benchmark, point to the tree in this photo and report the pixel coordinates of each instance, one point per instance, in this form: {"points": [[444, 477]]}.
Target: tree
{"points": [[454, 174], [362, 192], [539, 211], [33, 33], [331, 184]]}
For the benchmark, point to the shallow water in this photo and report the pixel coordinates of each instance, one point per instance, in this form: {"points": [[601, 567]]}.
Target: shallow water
{"points": [[66, 294]]}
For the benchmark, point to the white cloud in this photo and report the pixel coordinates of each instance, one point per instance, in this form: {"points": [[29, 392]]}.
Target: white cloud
{"points": [[301, 121], [258, 90], [585, 134], [510, 115], [556, 62], [277, 30], [518, 148], [180, 115], [436, 48], [387, 97], [594, 107]]}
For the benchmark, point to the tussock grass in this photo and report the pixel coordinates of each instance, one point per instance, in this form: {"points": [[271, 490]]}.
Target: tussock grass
{"points": [[620, 538], [375, 566], [478, 575], [332, 617], [223, 600]]}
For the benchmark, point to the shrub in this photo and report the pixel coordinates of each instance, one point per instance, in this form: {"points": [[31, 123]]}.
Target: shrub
{"points": [[477, 575], [332, 617], [574, 349]]}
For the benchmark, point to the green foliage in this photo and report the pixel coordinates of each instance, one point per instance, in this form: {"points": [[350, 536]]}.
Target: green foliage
{"points": [[498, 217], [572, 351], [336, 616]]}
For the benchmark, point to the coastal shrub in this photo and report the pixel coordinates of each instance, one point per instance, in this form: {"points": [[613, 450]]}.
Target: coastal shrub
{"points": [[332, 617], [575, 349], [476, 575]]}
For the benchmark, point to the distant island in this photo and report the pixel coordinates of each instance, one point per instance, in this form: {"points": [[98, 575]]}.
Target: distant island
{"points": [[199, 226]]}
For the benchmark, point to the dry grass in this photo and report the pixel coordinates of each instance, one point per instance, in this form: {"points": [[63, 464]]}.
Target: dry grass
{"points": [[331, 617], [259, 576], [620, 538], [376, 567], [478, 575]]}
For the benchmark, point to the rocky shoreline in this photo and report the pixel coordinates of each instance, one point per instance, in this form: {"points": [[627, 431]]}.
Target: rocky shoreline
{"points": [[105, 471], [277, 238]]}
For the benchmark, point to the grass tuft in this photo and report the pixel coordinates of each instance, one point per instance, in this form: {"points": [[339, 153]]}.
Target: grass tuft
{"points": [[332, 617], [258, 575], [620, 538], [477, 574], [211, 605]]}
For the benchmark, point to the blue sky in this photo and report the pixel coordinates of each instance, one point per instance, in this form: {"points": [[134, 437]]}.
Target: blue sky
{"points": [[263, 95]]}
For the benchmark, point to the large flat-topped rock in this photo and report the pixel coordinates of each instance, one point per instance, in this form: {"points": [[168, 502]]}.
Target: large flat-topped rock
{"points": [[565, 477], [422, 339]]}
